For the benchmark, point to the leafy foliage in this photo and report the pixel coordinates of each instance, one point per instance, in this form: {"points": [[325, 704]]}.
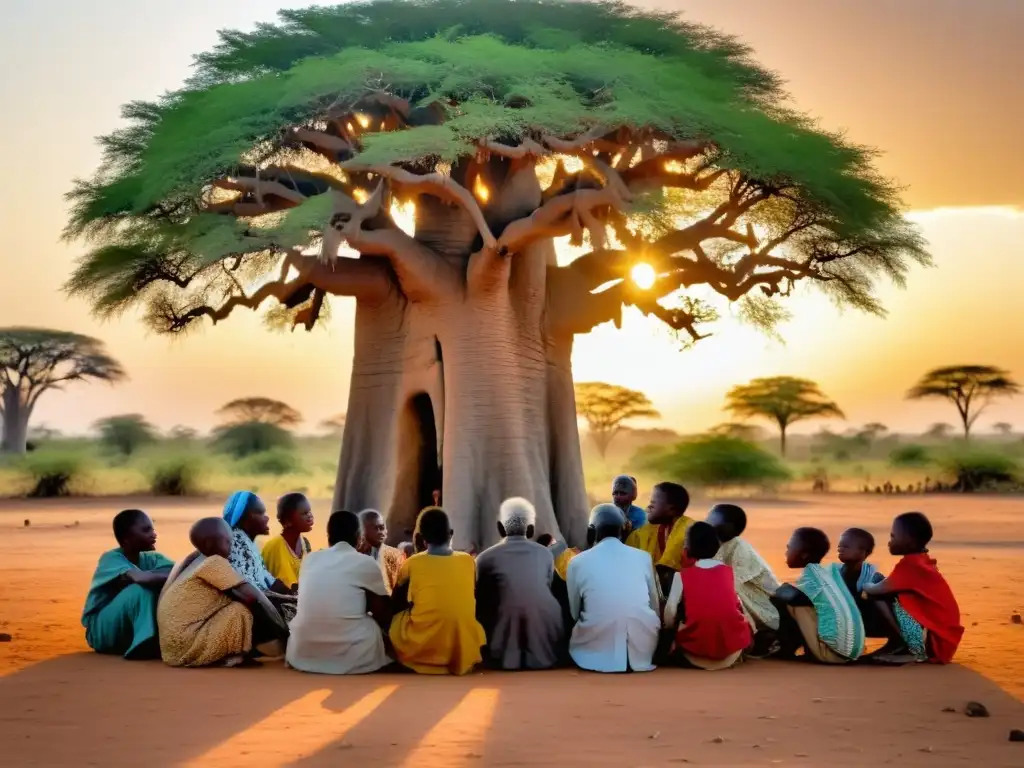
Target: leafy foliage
{"points": [[911, 455], [235, 140], [277, 461], [175, 476], [260, 409], [125, 435], [969, 387], [783, 399], [717, 460], [605, 407], [974, 469], [51, 474], [249, 438]]}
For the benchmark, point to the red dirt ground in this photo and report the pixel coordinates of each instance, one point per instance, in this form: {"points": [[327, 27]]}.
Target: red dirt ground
{"points": [[62, 706]]}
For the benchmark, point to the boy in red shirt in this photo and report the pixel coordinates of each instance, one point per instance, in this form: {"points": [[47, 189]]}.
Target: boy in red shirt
{"points": [[925, 609], [703, 611]]}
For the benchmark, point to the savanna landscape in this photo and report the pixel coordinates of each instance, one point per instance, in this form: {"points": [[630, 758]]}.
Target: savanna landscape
{"points": [[554, 242]]}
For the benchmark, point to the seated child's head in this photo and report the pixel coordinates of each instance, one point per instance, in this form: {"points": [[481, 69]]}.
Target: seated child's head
{"points": [[910, 535], [432, 528], [855, 546], [545, 539], [211, 536], [728, 520], [701, 542], [295, 511], [806, 546], [668, 502]]}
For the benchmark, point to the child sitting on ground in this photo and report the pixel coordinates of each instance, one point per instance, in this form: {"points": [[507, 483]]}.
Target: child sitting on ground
{"points": [[926, 612], [818, 612], [755, 582], [703, 611], [855, 546]]}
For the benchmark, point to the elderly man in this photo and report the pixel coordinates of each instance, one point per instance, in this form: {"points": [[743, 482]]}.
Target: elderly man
{"points": [[624, 493], [514, 602], [374, 531], [613, 596]]}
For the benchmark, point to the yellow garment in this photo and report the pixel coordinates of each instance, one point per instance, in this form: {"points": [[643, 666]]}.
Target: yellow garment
{"points": [[648, 540], [199, 624], [281, 561], [439, 633], [562, 562]]}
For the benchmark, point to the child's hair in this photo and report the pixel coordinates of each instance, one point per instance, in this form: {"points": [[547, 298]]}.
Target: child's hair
{"points": [[433, 526], [545, 539], [815, 543], [342, 525], [123, 522], [701, 541], [288, 504], [864, 538], [917, 525], [675, 494], [734, 521]]}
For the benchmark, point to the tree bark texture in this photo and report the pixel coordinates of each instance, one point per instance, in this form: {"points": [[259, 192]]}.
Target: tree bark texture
{"points": [[15, 422]]}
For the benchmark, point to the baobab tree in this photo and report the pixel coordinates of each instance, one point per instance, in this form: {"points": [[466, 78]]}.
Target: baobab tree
{"points": [[784, 400], [606, 407], [38, 360], [428, 159], [971, 388]]}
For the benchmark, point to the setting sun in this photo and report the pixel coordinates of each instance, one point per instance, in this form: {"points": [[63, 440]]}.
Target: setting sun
{"points": [[643, 275]]}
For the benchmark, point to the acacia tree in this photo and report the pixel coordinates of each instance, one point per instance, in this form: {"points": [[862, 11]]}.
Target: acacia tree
{"points": [[783, 399], [971, 388], [263, 410], [335, 425], [424, 158], [1003, 428], [124, 435], [605, 407], [37, 360]]}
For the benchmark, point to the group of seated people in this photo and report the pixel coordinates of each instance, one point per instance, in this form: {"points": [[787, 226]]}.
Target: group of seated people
{"points": [[648, 588]]}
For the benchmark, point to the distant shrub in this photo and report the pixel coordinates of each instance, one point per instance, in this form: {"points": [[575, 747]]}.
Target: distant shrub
{"points": [[51, 474], [125, 435], [251, 438], [911, 455], [276, 462], [715, 460], [974, 469], [175, 476]]}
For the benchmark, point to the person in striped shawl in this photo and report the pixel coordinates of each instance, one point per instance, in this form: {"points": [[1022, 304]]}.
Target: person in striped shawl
{"points": [[818, 613]]}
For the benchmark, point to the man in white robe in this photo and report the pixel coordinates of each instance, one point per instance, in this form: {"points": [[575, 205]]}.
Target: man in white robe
{"points": [[613, 597], [333, 632]]}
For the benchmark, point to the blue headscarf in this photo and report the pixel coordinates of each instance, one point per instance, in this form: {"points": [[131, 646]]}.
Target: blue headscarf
{"points": [[236, 505]]}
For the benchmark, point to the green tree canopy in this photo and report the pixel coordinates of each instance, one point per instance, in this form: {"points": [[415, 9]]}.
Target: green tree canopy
{"points": [[782, 399], [605, 407], [124, 435], [716, 460], [263, 410], [37, 360], [971, 388], [664, 143]]}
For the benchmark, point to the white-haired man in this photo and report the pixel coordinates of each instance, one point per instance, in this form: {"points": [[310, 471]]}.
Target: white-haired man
{"points": [[514, 602]]}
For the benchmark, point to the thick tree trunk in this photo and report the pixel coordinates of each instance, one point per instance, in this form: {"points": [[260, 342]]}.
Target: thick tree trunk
{"points": [[479, 375], [15, 428]]}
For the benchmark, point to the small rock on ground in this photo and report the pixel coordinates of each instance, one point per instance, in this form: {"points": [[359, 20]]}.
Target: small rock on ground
{"points": [[1016, 735], [976, 709], [5, 638]]}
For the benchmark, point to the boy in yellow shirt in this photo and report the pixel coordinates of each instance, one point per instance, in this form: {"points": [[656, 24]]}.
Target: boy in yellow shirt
{"points": [[665, 533]]}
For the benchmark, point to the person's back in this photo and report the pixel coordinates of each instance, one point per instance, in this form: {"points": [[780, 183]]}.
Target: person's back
{"points": [[715, 626], [520, 614], [332, 632], [613, 596], [438, 633]]}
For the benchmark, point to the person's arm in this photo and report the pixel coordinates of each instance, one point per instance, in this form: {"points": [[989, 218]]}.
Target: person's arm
{"points": [[257, 602], [790, 595], [379, 606], [880, 588], [400, 594], [281, 588], [672, 604], [155, 579], [572, 586]]}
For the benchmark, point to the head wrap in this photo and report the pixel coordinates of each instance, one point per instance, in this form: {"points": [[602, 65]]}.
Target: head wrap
{"points": [[236, 505]]}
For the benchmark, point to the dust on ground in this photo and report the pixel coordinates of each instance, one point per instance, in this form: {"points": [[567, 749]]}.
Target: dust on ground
{"points": [[60, 705]]}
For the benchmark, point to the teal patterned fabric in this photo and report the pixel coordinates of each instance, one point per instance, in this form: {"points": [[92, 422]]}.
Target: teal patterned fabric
{"points": [[840, 625], [912, 632]]}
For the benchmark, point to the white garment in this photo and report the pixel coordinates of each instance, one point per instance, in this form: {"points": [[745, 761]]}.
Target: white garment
{"points": [[332, 633], [675, 594], [613, 596]]}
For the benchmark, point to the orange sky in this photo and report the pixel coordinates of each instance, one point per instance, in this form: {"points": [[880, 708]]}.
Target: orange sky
{"points": [[933, 83]]}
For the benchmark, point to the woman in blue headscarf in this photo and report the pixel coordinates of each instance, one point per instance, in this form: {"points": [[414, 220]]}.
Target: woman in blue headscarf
{"points": [[247, 516]]}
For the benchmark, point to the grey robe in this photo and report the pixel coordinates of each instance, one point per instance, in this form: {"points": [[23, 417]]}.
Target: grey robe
{"points": [[514, 603]]}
